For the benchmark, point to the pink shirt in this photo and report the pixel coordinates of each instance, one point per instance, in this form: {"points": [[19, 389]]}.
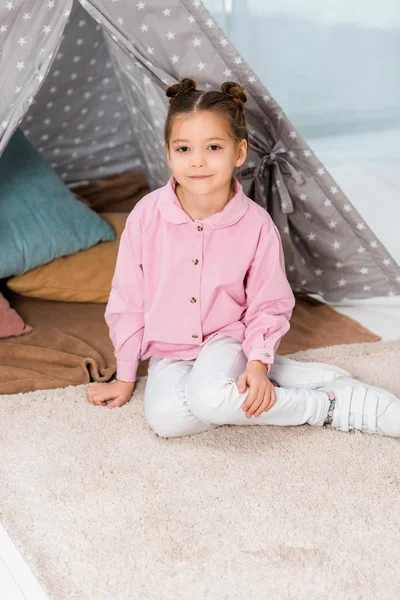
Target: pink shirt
{"points": [[178, 282]]}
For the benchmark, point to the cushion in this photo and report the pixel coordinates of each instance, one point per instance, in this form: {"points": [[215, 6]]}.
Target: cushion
{"points": [[83, 277], [40, 219], [10, 321]]}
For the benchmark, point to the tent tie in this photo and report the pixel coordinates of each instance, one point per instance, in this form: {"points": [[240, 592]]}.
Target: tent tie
{"points": [[277, 159]]}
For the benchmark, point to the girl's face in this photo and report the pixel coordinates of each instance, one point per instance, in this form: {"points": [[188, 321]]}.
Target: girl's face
{"points": [[201, 153]]}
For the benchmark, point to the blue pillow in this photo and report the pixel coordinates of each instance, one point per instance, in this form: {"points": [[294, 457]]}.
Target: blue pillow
{"points": [[40, 219]]}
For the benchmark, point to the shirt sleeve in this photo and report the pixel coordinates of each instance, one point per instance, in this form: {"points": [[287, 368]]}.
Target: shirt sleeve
{"points": [[270, 300], [125, 309]]}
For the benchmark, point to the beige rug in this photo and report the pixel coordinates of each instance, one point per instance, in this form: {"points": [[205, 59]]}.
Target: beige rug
{"points": [[102, 509]]}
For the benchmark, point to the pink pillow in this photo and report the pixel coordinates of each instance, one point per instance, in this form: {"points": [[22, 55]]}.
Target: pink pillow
{"points": [[10, 321]]}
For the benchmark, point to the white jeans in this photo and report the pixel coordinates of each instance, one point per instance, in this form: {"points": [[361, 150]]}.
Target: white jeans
{"points": [[184, 397]]}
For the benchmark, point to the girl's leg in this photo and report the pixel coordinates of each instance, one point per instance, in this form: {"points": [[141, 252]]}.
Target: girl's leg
{"points": [[213, 395], [165, 407]]}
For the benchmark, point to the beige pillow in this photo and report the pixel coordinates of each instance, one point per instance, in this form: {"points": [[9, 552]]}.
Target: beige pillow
{"points": [[85, 276]]}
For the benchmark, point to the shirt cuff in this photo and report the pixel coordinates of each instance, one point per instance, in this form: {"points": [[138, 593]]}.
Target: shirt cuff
{"points": [[126, 371], [261, 354]]}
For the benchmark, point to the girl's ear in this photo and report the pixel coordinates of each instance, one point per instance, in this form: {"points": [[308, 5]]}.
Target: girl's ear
{"points": [[167, 152], [242, 153]]}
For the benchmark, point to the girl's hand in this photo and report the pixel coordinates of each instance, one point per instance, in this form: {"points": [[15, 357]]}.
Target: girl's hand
{"points": [[262, 393], [119, 392]]}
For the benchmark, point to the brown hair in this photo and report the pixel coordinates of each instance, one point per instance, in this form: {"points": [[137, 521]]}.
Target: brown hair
{"points": [[228, 103]]}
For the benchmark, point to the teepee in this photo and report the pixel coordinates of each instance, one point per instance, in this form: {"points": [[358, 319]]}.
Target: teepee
{"points": [[86, 83]]}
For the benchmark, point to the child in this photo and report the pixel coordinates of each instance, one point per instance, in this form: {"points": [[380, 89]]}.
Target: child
{"points": [[200, 287]]}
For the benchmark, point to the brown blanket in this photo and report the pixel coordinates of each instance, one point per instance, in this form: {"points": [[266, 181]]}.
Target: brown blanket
{"points": [[70, 344]]}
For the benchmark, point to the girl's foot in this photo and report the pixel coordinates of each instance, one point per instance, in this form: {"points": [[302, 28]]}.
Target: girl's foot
{"points": [[363, 407]]}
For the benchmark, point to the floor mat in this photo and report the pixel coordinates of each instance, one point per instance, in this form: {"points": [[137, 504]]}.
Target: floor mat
{"points": [[102, 508]]}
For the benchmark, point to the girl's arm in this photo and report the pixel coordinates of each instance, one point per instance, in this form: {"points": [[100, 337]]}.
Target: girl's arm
{"points": [[270, 298], [125, 309]]}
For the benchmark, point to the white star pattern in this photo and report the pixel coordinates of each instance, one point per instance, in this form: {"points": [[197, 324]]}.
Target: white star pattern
{"points": [[342, 282], [193, 43]]}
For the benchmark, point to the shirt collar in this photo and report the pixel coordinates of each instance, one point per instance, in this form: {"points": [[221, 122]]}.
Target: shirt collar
{"points": [[172, 211]]}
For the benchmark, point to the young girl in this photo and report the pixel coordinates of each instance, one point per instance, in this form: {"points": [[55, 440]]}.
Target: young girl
{"points": [[200, 287]]}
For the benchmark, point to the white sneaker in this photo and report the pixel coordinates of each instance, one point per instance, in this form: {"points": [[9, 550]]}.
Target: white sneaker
{"points": [[295, 373], [364, 407]]}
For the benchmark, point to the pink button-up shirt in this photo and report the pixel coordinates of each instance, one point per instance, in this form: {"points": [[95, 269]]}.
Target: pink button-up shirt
{"points": [[178, 282]]}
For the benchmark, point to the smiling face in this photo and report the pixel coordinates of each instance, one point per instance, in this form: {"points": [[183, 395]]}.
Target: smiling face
{"points": [[201, 152]]}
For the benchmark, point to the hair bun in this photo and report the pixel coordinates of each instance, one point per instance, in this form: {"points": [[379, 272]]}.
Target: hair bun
{"points": [[235, 91], [184, 86]]}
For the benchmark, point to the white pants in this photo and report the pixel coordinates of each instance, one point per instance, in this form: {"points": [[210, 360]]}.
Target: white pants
{"points": [[184, 397]]}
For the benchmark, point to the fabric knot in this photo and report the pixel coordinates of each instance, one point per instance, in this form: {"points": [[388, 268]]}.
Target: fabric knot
{"points": [[282, 168]]}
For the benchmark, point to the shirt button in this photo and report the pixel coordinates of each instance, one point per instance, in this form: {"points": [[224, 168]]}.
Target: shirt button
{"points": [[195, 261], [194, 335], [199, 228], [193, 300]]}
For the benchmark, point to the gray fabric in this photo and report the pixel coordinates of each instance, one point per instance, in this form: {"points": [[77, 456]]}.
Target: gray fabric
{"points": [[329, 249], [79, 120]]}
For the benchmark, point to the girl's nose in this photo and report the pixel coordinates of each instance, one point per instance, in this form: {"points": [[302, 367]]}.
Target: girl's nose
{"points": [[197, 160]]}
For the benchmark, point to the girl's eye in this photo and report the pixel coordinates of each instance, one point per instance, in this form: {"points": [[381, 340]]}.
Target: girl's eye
{"points": [[215, 147], [182, 149]]}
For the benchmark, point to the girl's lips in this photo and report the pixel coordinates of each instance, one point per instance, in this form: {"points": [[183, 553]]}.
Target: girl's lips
{"points": [[198, 176]]}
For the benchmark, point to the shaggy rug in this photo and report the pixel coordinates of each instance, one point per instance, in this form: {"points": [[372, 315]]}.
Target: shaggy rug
{"points": [[103, 509]]}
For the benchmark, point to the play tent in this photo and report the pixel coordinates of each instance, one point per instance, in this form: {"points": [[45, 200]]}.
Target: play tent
{"points": [[86, 83]]}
